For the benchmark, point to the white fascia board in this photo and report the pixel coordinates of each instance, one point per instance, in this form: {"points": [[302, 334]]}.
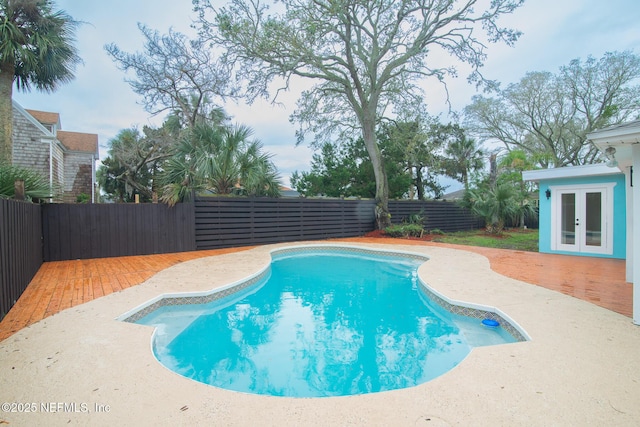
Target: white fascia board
{"points": [[570, 172], [626, 133]]}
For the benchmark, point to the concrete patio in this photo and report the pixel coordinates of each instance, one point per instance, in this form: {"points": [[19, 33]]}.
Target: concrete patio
{"points": [[580, 368]]}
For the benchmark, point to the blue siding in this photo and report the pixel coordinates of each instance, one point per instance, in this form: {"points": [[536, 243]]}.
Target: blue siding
{"points": [[619, 213]]}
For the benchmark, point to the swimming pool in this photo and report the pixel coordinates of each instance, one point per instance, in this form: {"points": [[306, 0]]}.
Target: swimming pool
{"points": [[320, 321]]}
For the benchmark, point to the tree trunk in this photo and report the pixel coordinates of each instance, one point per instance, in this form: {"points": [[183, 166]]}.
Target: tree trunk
{"points": [[383, 217], [493, 171], [412, 186], [419, 183], [6, 112]]}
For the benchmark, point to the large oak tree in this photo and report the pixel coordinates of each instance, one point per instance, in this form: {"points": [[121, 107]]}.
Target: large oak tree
{"points": [[548, 116], [365, 58]]}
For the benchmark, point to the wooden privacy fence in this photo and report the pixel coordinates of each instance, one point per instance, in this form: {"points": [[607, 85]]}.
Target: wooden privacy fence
{"points": [[444, 216], [77, 231], [20, 249], [225, 222]]}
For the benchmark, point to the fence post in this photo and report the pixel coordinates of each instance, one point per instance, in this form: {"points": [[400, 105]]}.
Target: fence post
{"points": [[19, 190]]}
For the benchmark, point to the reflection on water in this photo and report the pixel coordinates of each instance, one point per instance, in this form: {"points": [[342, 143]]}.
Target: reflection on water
{"points": [[322, 325]]}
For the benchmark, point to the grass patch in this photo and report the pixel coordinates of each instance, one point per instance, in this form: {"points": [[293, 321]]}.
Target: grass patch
{"points": [[518, 239]]}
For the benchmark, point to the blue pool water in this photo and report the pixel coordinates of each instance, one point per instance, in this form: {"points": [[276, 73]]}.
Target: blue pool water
{"points": [[321, 323]]}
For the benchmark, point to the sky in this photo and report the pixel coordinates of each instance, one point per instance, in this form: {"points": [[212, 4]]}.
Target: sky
{"points": [[100, 101]]}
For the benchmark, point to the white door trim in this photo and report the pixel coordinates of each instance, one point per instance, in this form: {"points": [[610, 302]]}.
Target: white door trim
{"points": [[606, 189]]}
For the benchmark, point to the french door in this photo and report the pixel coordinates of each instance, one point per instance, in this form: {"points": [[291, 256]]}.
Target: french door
{"points": [[582, 219]]}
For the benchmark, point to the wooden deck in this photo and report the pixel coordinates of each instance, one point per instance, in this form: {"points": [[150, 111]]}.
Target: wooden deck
{"points": [[64, 284]]}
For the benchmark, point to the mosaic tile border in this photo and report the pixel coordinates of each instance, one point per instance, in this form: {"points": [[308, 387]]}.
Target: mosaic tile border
{"points": [[475, 313], [196, 299]]}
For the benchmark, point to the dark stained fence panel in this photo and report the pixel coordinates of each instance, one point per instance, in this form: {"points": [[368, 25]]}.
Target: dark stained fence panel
{"points": [[226, 222], [75, 231], [20, 249], [72, 231], [445, 216]]}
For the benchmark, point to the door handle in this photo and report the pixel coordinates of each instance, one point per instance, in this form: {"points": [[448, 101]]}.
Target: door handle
{"points": [[577, 221]]}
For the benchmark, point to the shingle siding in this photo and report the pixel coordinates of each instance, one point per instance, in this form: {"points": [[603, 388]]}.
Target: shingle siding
{"points": [[78, 178], [37, 149], [30, 146]]}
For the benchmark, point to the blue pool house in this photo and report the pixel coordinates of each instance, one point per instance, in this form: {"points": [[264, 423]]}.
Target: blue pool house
{"points": [[589, 210], [582, 210]]}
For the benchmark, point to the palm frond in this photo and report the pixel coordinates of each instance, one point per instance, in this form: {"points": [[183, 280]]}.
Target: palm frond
{"points": [[36, 186]]}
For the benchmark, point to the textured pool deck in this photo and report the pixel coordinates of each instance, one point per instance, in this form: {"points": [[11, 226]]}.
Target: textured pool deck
{"points": [[82, 367]]}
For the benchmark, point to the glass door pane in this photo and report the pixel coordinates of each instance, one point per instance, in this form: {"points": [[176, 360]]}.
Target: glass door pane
{"points": [[582, 218], [593, 219], [568, 219]]}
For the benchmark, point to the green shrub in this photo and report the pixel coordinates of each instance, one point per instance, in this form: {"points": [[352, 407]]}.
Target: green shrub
{"points": [[36, 186], [416, 218], [405, 230], [437, 231], [83, 198]]}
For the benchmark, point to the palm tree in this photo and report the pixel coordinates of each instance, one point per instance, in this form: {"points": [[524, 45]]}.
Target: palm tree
{"points": [[36, 186], [36, 49], [496, 205], [512, 165], [465, 157], [220, 160]]}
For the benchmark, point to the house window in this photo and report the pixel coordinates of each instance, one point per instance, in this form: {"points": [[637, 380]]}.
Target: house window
{"points": [[582, 218]]}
